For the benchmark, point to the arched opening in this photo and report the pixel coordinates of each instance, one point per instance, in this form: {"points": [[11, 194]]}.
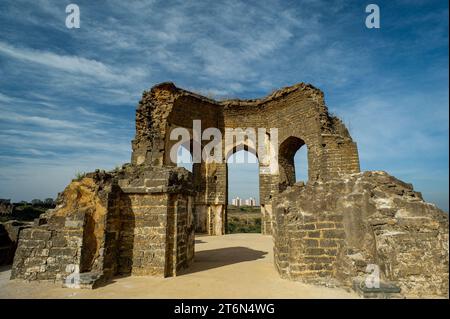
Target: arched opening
{"points": [[243, 210], [301, 164], [184, 157], [292, 162]]}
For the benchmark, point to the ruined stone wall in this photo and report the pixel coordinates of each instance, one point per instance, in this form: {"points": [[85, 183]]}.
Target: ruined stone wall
{"points": [[297, 112], [69, 239], [142, 234], [181, 232], [9, 236], [302, 119], [157, 228], [105, 224], [328, 232], [141, 219]]}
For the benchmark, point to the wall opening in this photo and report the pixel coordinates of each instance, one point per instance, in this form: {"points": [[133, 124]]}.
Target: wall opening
{"points": [[301, 164], [184, 158], [292, 162], [243, 205]]}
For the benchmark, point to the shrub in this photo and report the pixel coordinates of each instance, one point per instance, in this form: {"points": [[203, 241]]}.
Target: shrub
{"points": [[80, 175]]}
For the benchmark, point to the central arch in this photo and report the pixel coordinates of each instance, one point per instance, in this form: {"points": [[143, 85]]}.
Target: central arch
{"points": [[244, 201]]}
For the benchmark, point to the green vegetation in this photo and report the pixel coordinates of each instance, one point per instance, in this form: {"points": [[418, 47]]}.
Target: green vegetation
{"points": [[244, 219], [28, 211], [244, 225], [80, 175], [25, 212]]}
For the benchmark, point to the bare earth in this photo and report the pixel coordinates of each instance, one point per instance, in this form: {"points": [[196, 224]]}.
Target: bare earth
{"points": [[231, 266]]}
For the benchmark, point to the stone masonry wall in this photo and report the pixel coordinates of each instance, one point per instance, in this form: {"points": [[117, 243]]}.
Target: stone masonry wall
{"points": [[9, 236], [143, 234], [298, 111], [68, 239], [112, 223], [328, 232]]}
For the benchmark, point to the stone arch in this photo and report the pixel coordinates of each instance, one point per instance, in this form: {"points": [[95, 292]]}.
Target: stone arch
{"points": [[182, 154], [286, 165], [301, 164], [236, 149], [241, 147], [299, 115]]}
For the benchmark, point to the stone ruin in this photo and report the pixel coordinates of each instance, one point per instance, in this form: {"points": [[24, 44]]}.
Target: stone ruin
{"points": [[141, 219]]}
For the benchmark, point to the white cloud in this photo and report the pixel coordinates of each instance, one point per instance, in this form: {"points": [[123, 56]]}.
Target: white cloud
{"points": [[63, 62], [5, 98], [38, 120], [226, 49]]}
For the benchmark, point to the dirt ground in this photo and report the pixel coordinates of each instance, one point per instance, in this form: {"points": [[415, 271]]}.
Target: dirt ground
{"points": [[231, 266]]}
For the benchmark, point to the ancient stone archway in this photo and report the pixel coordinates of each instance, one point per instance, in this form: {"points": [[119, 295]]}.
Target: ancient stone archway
{"points": [[141, 219], [294, 111], [242, 154]]}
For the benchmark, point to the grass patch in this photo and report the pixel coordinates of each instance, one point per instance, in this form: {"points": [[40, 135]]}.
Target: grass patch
{"points": [[244, 219]]}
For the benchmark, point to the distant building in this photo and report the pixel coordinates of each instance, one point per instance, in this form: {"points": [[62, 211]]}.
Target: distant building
{"points": [[241, 202]]}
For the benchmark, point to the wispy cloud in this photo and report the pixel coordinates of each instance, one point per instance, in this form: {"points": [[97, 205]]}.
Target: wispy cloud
{"points": [[43, 121], [61, 62], [67, 96]]}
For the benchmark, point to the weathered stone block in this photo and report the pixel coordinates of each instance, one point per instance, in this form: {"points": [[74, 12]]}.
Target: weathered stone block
{"points": [[41, 234], [331, 233]]}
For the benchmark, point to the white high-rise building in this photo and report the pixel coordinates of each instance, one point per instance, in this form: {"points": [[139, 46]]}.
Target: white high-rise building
{"points": [[236, 201], [247, 202]]}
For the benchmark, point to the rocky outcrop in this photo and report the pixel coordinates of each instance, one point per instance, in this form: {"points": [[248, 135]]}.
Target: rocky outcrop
{"points": [[328, 232]]}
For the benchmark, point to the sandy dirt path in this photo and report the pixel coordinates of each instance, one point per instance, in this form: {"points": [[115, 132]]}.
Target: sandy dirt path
{"points": [[231, 266]]}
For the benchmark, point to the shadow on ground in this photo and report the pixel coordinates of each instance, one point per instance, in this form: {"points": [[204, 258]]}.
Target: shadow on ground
{"points": [[5, 268], [215, 258]]}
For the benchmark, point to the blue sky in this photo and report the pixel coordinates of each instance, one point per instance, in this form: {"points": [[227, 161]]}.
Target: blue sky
{"points": [[68, 96]]}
